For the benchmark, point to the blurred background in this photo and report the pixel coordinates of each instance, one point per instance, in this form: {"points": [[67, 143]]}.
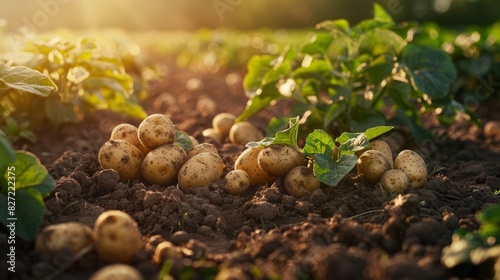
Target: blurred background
{"points": [[45, 15]]}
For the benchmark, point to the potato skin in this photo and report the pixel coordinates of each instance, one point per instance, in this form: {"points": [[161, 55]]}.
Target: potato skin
{"points": [[383, 147], [243, 132], [156, 130], [394, 180], [247, 161], [128, 132], [277, 160], [116, 236], [161, 165], [372, 164], [413, 166], [73, 236], [117, 271], [236, 182], [301, 181], [201, 170], [202, 148], [222, 123], [122, 157]]}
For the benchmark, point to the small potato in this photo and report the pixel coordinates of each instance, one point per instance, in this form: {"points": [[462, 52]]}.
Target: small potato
{"points": [[247, 161], [212, 133], [116, 272], [128, 133], [394, 180], [243, 132], [222, 123], [492, 129], [202, 148], [156, 130], [116, 236], [383, 147], [201, 170], [161, 165], [236, 182], [277, 160], [122, 157], [301, 181], [372, 164], [413, 166], [73, 236], [166, 250]]}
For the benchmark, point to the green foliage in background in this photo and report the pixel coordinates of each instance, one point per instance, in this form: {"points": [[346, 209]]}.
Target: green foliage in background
{"points": [[351, 78]]}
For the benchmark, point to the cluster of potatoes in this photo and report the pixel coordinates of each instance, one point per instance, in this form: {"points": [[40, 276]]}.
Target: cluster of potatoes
{"points": [[376, 164], [149, 152], [115, 237], [261, 165]]}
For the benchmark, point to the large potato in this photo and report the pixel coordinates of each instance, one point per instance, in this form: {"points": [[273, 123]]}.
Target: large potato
{"points": [[116, 236], [243, 132], [372, 164], [201, 170], [222, 123], [73, 236], [122, 157], [413, 166], [161, 165], [128, 132], [301, 181], [247, 161], [156, 130], [384, 148], [277, 160], [117, 272]]}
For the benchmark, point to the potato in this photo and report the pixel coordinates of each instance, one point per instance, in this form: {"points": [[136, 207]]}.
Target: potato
{"points": [[394, 180], [116, 236], [193, 140], [413, 166], [201, 170], [156, 130], [222, 123], [383, 147], [243, 132], [492, 129], [202, 148], [301, 181], [122, 157], [236, 182], [117, 272], [128, 133], [372, 164], [232, 273], [277, 160], [161, 165], [212, 133], [247, 161], [73, 236], [166, 250]]}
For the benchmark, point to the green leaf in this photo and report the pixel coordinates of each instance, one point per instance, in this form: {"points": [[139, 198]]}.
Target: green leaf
{"points": [[432, 70], [369, 133], [58, 112], [331, 172], [6, 150], [334, 25], [29, 211], [319, 142], [257, 67], [25, 79], [380, 14], [260, 101], [289, 135], [31, 174], [319, 44], [182, 139], [379, 69], [353, 145]]}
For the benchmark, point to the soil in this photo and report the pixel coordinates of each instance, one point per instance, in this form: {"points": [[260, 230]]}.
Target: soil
{"points": [[352, 231]]}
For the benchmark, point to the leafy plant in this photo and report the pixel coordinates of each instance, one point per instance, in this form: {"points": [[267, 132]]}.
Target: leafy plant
{"points": [[331, 161], [24, 183], [351, 78], [477, 247], [87, 78]]}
